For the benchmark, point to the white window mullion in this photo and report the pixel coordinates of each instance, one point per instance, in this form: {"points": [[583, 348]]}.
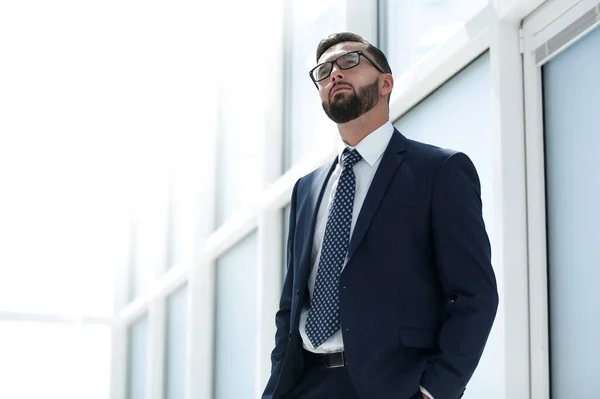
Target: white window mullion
{"points": [[201, 278], [201, 331], [157, 308], [119, 362], [509, 249], [119, 330], [269, 219], [536, 221]]}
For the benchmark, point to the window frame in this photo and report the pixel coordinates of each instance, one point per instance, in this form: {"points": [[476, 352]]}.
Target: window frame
{"points": [[539, 28]]}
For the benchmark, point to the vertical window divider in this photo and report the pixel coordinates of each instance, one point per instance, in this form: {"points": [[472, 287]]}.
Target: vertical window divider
{"points": [[509, 249], [201, 331]]}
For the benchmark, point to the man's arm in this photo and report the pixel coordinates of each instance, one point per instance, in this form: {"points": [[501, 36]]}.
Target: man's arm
{"points": [[282, 318], [463, 261]]}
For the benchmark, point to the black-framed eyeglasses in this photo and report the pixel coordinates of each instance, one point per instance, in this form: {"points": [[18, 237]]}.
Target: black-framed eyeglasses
{"points": [[344, 61]]}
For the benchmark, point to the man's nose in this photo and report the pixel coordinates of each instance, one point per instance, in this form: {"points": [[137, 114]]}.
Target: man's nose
{"points": [[336, 73]]}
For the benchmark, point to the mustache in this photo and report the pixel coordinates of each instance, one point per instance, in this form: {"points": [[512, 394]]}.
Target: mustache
{"points": [[338, 84]]}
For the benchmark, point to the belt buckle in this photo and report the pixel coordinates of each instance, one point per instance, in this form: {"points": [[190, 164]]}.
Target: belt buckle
{"points": [[342, 364]]}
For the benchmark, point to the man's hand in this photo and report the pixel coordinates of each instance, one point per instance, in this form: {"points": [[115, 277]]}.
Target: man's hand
{"points": [[425, 396]]}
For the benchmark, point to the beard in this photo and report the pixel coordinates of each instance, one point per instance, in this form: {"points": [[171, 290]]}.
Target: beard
{"points": [[349, 106]]}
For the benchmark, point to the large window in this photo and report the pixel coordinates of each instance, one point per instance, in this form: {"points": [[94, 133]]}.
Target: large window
{"points": [[572, 137], [412, 28], [193, 120]]}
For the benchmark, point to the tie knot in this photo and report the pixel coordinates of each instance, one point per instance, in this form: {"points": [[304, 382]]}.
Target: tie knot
{"points": [[350, 158]]}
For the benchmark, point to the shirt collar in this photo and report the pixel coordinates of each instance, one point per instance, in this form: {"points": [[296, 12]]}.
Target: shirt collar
{"points": [[371, 148]]}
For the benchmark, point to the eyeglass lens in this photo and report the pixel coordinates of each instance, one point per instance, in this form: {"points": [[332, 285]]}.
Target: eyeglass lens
{"points": [[346, 61]]}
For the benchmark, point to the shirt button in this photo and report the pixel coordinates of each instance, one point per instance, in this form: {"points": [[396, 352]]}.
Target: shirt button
{"points": [[344, 287]]}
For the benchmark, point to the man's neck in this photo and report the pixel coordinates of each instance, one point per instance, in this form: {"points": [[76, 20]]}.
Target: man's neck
{"points": [[354, 131]]}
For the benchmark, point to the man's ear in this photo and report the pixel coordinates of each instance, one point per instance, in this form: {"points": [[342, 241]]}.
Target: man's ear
{"points": [[387, 84]]}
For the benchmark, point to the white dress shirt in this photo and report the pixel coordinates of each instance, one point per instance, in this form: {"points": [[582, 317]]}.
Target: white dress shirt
{"points": [[371, 149]]}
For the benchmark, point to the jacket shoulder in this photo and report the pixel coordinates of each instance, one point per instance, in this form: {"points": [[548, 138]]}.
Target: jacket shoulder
{"points": [[428, 153]]}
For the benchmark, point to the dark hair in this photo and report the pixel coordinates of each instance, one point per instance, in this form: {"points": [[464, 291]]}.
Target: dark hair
{"points": [[336, 38], [341, 37]]}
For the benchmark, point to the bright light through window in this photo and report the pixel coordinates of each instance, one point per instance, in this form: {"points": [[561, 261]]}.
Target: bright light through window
{"points": [[415, 27], [54, 361]]}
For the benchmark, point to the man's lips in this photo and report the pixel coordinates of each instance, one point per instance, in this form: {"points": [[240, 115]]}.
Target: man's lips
{"points": [[341, 87]]}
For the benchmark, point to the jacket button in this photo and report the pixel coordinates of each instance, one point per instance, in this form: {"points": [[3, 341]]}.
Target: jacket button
{"points": [[289, 336], [297, 292]]}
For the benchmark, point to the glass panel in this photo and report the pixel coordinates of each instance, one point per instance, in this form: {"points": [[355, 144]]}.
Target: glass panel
{"points": [[458, 116], [415, 27], [137, 358], [176, 345], [241, 118], [571, 98], [236, 321], [238, 172], [307, 126], [40, 360]]}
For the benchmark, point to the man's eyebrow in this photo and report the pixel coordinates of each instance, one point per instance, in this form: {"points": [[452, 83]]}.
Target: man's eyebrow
{"points": [[326, 60], [334, 57]]}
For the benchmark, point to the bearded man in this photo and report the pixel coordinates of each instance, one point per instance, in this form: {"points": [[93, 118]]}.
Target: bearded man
{"points": [[389, 292]]}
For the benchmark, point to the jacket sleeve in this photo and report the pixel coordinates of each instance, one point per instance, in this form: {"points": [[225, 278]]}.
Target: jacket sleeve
{"points": [[463, 261], [282, 318]]}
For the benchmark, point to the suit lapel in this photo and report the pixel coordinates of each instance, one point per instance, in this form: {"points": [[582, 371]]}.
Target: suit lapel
{"points": [[392, 158], [315, 196]]}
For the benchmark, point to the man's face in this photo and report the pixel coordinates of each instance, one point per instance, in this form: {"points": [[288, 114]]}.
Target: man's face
{"points": [[348, 94]]}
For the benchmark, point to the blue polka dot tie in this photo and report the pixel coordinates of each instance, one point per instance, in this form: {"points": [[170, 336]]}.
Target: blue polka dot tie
{"points": [[324, 313]]}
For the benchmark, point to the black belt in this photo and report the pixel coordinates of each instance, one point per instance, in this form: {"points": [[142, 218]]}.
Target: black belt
{"points": [[327, 360]]}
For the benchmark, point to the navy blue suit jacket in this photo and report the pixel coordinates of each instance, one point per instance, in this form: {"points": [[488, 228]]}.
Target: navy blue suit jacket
{"points": [[418, 294]]}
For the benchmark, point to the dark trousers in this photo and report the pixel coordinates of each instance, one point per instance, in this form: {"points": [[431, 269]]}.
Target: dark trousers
{"points": [[319, 382]]}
